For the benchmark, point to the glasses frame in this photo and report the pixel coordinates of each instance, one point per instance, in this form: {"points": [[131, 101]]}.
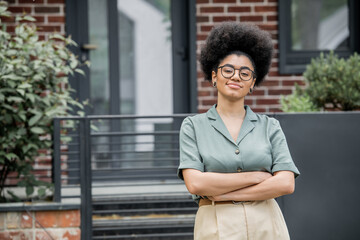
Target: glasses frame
{"points": [[253, 74]]}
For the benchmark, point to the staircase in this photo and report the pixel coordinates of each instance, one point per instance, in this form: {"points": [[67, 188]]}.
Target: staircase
{"points": [[149, 214]]}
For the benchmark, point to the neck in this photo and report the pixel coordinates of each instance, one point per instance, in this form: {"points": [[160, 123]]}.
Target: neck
{"points": [[230, 108]]}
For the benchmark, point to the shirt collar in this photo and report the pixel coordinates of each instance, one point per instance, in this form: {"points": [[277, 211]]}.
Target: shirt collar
{"points": [[214, 115], [218, 124]]}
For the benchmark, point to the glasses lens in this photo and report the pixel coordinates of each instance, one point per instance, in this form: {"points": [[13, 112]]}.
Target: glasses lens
{"points": [[227, 71], [245, 74]]}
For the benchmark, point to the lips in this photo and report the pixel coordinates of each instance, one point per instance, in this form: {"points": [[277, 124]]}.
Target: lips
{"points": [[233, 85]]}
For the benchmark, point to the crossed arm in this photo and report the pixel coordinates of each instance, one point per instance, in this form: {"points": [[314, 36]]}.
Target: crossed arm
{"points": [[245, 186]]}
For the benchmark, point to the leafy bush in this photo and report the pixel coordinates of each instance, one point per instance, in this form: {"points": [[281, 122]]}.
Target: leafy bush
{"points": [[33, 89], [298, 102], [333, 83]]}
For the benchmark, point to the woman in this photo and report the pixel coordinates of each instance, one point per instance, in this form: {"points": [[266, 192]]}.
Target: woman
{"points": [[233, 161]]}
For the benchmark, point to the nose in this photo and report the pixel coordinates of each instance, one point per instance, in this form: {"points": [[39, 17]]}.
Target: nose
{"points": [[236, 76]]}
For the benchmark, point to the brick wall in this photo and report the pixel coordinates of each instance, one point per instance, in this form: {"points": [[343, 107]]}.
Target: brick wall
{"points": [[266, 97], [50, 18], [27, 226], [49, 14]]}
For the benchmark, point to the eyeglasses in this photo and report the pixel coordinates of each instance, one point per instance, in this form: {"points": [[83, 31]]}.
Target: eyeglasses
{"points": [[245, 73]]}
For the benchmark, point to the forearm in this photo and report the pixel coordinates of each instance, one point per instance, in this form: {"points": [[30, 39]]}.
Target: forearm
{"points": [[282, 183], [211, 184]]}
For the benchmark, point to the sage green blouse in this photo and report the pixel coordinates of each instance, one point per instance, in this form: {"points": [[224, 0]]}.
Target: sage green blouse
{"points": [[206, 145]]}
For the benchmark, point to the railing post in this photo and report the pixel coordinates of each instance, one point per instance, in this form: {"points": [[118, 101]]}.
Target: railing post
{"points": [[56, 163], [85, 179]]}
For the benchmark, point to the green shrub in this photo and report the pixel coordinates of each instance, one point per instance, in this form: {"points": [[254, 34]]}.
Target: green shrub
{"points": [[33, 89], [298, 102], [333, 83]]}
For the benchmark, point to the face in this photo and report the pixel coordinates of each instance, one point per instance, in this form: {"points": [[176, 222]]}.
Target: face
{"points": [[233, 88]]}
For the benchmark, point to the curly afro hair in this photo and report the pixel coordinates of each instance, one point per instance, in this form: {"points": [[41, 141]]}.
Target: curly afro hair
{"points": [[231, 37]]}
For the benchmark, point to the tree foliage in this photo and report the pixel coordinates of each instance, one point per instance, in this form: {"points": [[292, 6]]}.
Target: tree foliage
{"points": [[333, 83], [34, 88]]}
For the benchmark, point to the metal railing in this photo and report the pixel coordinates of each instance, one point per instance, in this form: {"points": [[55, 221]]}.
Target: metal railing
{"points": [[112, 163]]}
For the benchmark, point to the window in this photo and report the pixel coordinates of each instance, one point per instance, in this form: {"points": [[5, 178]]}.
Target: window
{"points": [[308, 27]]}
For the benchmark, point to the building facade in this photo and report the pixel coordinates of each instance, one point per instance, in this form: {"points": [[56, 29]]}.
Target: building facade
{"points": [[144, 52]]}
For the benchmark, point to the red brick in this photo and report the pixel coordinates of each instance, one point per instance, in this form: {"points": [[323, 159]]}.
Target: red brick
{"points": [[224, 1], [26, 220], [200, 19], [280, 92], [23, 235], [201, 37], [249, 101], [239, 9], [202, 1], [70, 218], [272, 18], [12, 220], [267, 101], [268, 27], [204, 93], [205, 84], [292, 82], [55, 1], [268, 83], [265, 9], [251, 1], [5, 236], [47, 9], [47, 218], [275, 109], [42, 235], [209, 102], [72, 234], [49, 28], [257, 18], [258, 92], [211, 9], [206, 28], [58, 19], [224, 18], [258, 110], [19, 9], [31, 1], [10, 19]]}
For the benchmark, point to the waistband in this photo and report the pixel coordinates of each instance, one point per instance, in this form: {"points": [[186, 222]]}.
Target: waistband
{"points": [[204, 202]]}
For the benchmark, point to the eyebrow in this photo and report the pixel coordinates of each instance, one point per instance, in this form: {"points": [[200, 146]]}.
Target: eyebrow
{"points": [[242, 67]]}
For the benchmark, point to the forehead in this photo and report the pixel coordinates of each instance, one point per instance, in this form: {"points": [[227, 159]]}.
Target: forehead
{"points": [[237, 61]]}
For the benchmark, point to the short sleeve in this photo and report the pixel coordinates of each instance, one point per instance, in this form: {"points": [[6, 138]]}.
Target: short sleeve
{"points": [[189, 153], [282, 160]]}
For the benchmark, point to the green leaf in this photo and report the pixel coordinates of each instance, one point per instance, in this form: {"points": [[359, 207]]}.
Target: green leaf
{"points": [[15, 99], [35, 119], [41, 192], [10, 156], [29, 190], [13, 195], [37, 130], [21, 91], [25, 85], [31, 97]]}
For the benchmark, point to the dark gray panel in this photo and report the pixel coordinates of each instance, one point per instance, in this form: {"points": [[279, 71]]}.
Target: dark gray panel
{"points": [[325, 147]]}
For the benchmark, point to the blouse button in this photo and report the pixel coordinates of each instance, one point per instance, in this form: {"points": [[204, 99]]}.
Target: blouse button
{"points": [[237, 151], [238, 169]]}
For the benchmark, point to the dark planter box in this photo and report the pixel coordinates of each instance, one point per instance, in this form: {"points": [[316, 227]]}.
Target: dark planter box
{"points": [[326, 149]]}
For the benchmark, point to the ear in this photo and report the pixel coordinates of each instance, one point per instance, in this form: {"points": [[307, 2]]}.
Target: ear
{"points": [[213, 76], [253, 83]]}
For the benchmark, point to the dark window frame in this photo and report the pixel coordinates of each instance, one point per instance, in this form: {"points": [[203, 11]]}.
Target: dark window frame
{"points": [[294, 62]]}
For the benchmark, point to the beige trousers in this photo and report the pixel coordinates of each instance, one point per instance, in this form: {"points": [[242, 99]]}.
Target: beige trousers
{"points": [[260, 220]]}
